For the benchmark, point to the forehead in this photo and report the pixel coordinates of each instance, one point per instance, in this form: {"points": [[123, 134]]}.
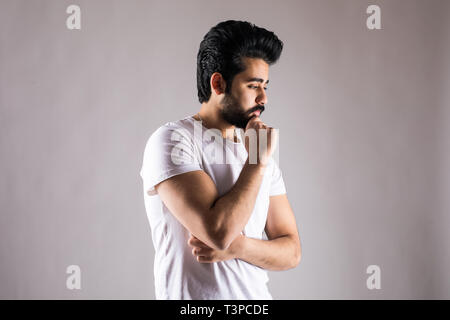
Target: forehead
{"points": [[255, 68]]}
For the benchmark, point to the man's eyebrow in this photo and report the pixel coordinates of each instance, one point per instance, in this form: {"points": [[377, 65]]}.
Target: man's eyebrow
{"points": [[257, 80]]}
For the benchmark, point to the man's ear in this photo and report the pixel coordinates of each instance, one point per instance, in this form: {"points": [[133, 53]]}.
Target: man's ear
{"points": [[217, 83]]}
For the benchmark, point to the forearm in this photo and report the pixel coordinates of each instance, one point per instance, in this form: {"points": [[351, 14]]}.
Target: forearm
{"points": [[233, 210], [277, 254]]}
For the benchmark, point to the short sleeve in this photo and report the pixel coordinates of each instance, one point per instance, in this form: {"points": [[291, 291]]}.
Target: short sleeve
{"points": [[277, 186], [169, 151]]}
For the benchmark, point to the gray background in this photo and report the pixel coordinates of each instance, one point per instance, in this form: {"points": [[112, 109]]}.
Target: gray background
{"points": [[364, 124]]}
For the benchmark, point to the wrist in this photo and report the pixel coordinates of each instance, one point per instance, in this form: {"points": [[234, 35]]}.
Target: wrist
{"points": [[260, 166]]}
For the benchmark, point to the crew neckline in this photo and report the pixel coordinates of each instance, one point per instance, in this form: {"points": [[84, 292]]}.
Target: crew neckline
{"points": [[231, 141]]}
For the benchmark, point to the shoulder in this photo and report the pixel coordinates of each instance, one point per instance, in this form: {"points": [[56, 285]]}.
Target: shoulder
{"points": [[171, 132]]}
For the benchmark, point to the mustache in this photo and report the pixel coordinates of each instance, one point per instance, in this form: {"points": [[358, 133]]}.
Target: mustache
{"points": [[255, 108]]}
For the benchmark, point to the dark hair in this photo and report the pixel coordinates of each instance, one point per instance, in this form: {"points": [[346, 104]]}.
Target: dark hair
{"points": [[223, 48]]}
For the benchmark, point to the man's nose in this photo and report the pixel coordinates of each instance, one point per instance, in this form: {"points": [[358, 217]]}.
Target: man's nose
{"points": [[261, 99]]}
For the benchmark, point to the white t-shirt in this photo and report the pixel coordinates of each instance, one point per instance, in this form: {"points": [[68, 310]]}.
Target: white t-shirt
{"points": [[179, 147]]}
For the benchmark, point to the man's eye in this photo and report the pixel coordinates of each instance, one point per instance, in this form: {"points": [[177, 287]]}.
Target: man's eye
{"points": [[256, 87]]}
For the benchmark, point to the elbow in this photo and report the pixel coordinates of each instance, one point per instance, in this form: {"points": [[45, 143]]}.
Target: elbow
{"points": [[217, 240], [220, 237], [219, 231], [297, 260], [297, 256], [221, 245]]}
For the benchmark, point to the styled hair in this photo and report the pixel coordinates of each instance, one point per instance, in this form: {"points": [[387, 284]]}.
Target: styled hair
{"points": [[223, 48]]}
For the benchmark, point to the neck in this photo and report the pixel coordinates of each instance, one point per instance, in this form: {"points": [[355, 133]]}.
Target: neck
{"points": [[212, 119]]}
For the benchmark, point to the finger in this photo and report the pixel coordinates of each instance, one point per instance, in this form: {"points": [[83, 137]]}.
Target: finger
{"points": [[193, 241], [255, 119], [205, 259], [198, 244], [198, 251], [261, 126], [252, 121]]}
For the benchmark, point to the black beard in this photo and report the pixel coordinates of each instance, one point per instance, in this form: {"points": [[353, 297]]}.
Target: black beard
{"points": [[233, 113]]}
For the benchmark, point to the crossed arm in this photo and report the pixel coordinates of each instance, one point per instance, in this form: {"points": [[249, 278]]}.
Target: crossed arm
{"points": [[281, 252], [216, 222]]}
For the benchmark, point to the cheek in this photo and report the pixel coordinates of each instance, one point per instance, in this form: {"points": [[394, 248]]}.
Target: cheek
{"points": [[247, 99]]}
